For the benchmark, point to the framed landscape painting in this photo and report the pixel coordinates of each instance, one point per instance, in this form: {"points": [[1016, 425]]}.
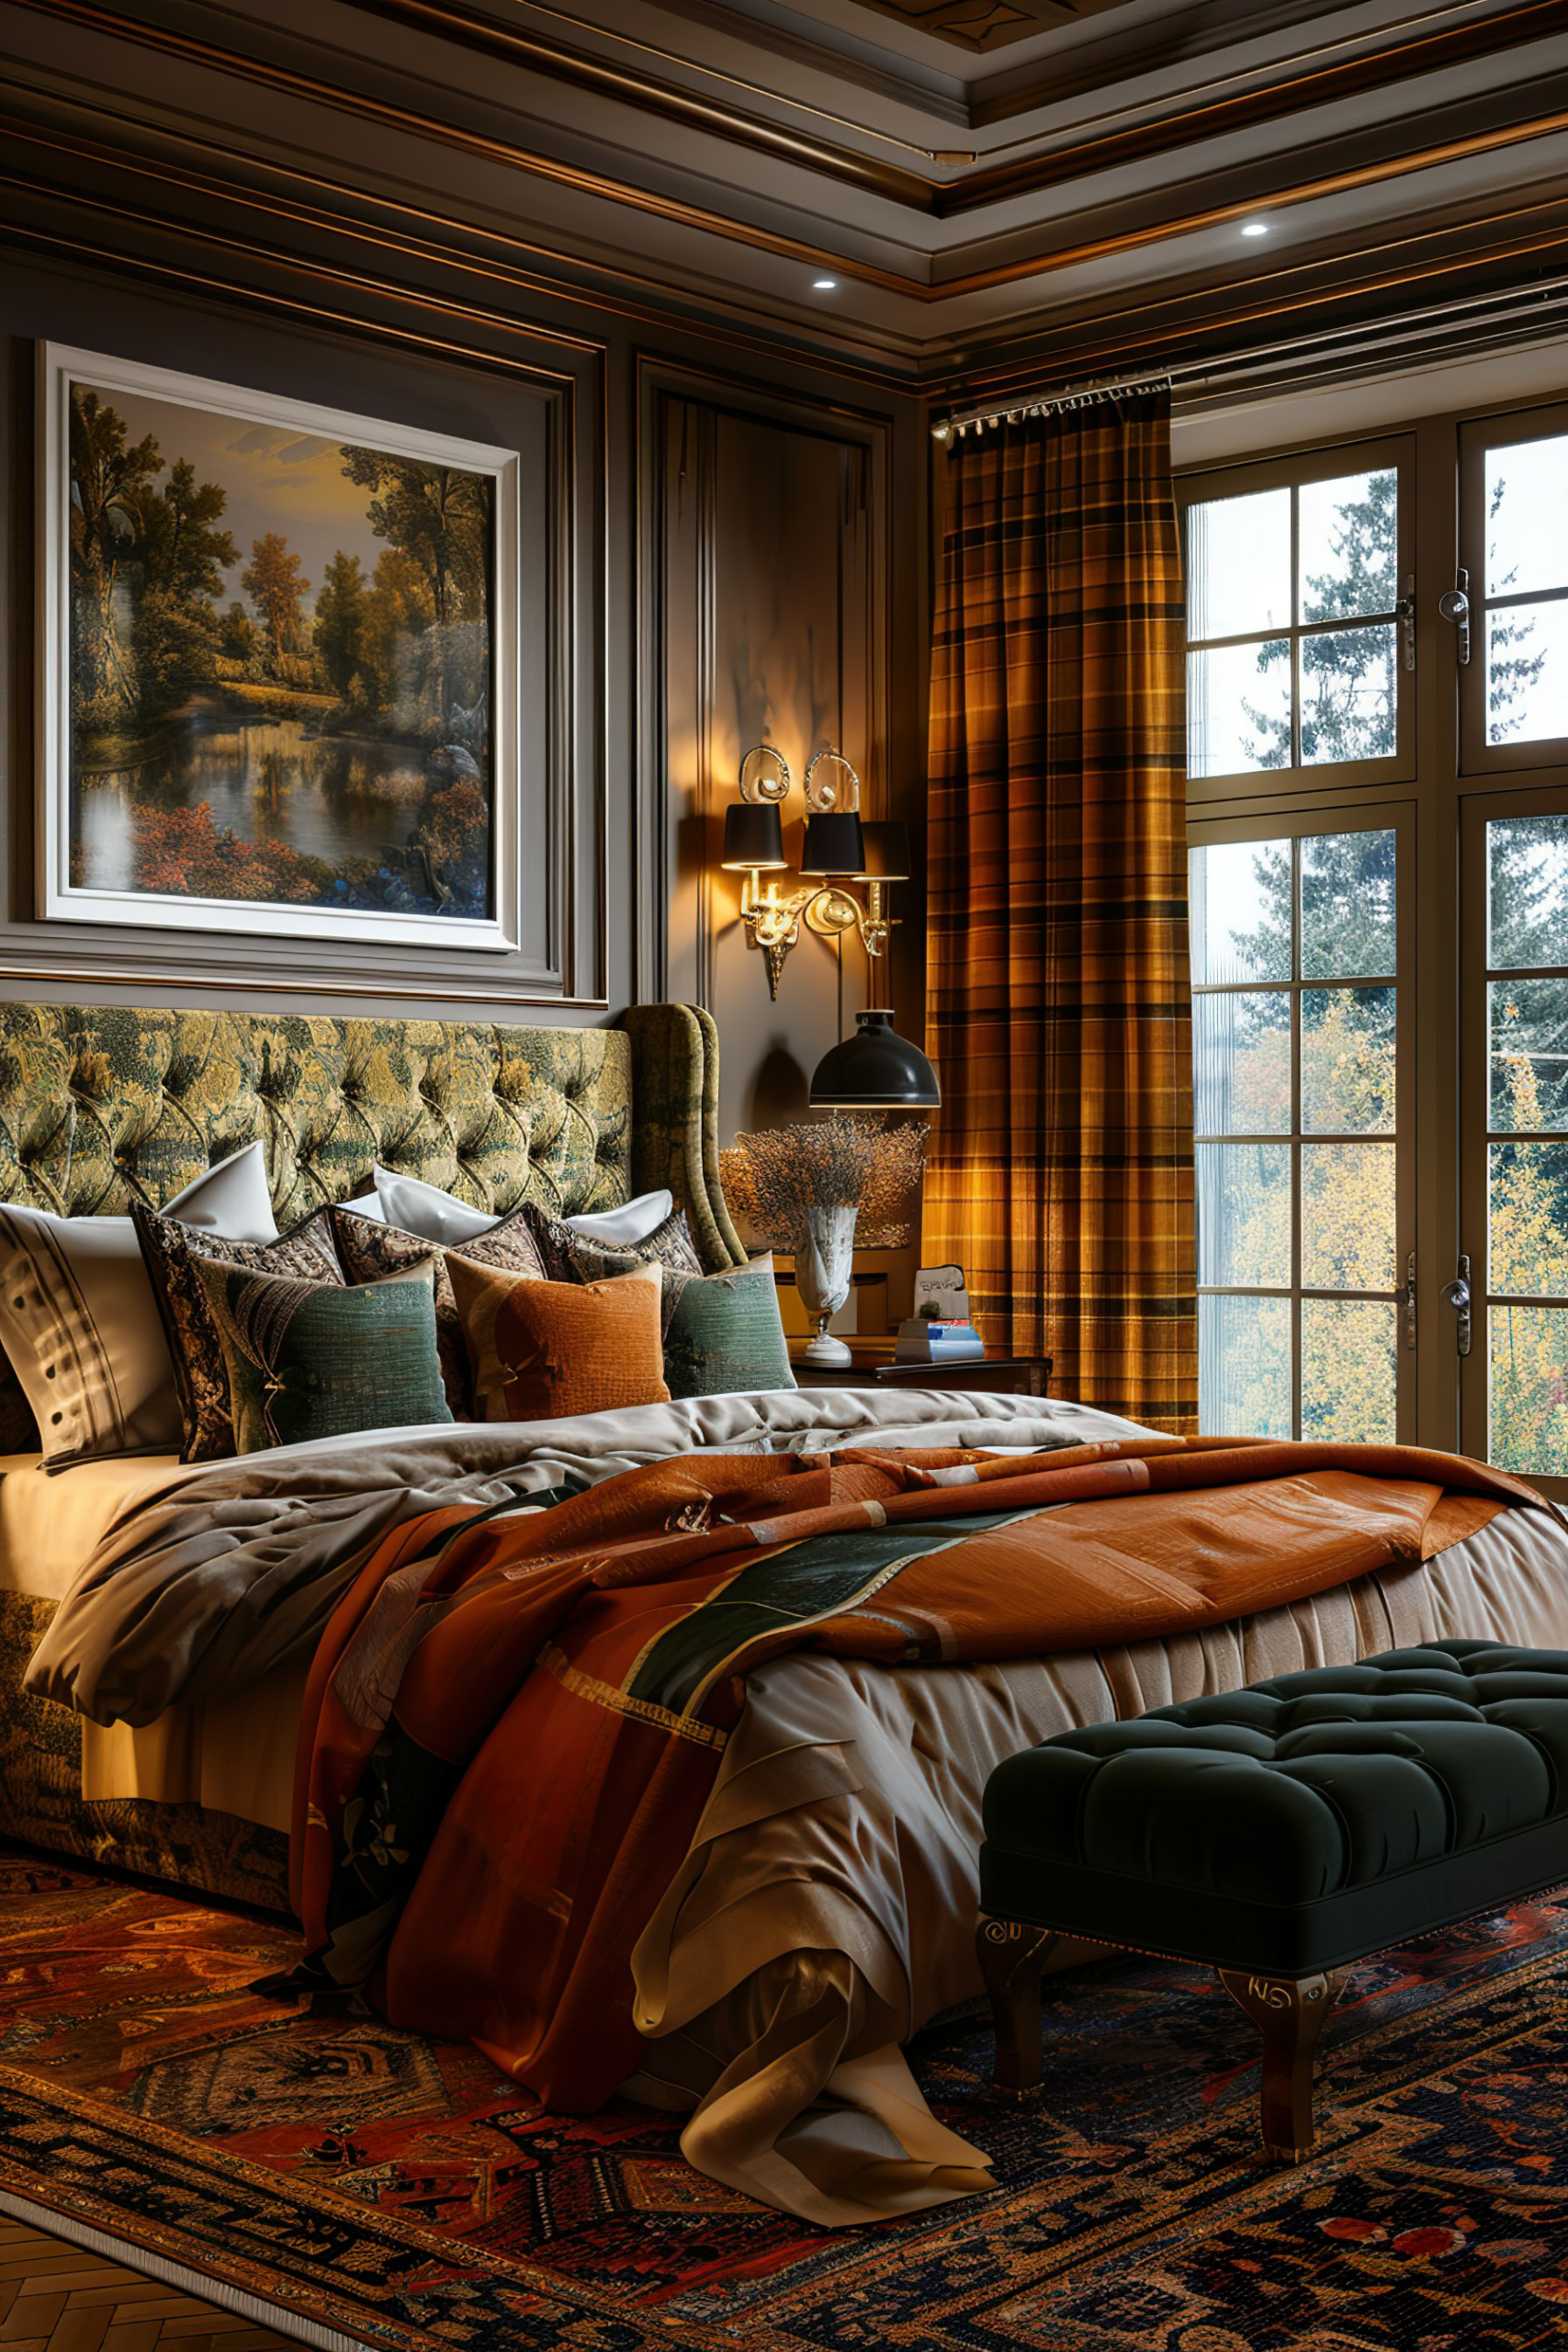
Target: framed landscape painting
{"points": [[278, 664]]}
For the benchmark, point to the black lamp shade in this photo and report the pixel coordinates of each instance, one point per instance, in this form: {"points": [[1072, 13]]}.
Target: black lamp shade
{"points": [[753, 838], [875, 1070], [834, 845], [887, 853]]}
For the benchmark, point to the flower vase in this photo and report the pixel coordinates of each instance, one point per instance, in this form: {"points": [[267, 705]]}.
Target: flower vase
{"points": [[824, 1258]]}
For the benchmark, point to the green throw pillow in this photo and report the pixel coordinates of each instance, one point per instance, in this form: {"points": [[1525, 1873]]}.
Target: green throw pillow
{"points": [[311, 1360], [723, 1333]]}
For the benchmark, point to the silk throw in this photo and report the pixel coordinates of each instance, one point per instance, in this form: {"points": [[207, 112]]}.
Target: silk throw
{"points": [[1059, 1017]]}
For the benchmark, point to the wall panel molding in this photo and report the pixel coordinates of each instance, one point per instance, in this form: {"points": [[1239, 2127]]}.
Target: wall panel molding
{"points": [[765, 582], [377, 356]]}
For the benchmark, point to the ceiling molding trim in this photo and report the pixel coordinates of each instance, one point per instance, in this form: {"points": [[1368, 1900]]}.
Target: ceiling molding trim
{"points": [[557, 60], [1118, 345], [885, 373], [1125, 53], [243, 67], [945, 376], [987, 184], [939, 287], [1167, 132], [982, 26], [1258, 199]]}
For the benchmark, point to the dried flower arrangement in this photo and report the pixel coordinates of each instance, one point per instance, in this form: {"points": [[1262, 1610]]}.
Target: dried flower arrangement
{"points": [[844, 1161]]}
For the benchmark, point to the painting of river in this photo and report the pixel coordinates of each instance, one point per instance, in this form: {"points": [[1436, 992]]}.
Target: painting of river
{"points": [[280, 665], [343, 800]]}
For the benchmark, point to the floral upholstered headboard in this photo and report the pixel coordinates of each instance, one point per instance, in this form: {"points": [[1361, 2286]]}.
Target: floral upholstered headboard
{"points": [[100, 1103]]}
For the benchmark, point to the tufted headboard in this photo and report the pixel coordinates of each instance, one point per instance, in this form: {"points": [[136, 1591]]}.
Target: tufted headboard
{"points": [[573, 1119]]}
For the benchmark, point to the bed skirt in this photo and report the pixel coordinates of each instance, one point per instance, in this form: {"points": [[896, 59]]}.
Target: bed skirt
{"points": [[41, 1804]]}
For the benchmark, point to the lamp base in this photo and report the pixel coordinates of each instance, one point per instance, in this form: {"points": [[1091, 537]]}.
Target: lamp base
{"points": [[825, 1348]]}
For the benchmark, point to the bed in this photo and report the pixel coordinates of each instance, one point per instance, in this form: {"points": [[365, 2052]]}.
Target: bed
{"points": [[822, 1908], [100, 1105]]}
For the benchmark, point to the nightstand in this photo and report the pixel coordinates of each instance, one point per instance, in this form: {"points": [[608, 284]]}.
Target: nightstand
{"points": [[872, 1366]]}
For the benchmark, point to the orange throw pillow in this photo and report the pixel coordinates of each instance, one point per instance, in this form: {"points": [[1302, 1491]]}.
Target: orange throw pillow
{"points": [[543, 1350]]}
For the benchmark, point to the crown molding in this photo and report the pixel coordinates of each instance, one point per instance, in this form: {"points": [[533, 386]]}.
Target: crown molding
{"points": [[1182, 39], [260, 73], [1209, 318], [982, 27], [1274, 186], [650, 94], [920, 280], [1198, 116], [328, 214], [1193, 118], [381, 257]]}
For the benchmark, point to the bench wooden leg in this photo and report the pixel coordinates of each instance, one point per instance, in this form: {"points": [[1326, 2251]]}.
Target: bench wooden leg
{"points": [[1291, 2012], [1012, 1959]]}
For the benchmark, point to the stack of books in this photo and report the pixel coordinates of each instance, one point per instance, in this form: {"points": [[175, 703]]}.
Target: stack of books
{"points": [[927, 1338]]}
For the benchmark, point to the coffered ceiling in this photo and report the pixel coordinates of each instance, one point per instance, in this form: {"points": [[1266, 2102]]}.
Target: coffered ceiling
{"points": [[987, 186], [980, 25]]}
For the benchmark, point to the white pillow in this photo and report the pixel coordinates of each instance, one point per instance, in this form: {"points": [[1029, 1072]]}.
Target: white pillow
{"points": [[434, 1215], [633, 1221], [79, 1325], [231, 1199], [367, 1205], [424, 1209]]}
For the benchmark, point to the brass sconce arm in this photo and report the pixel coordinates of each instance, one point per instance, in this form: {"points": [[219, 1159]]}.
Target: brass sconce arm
{"points": [[757, 789], [838, 852], [820, 798]]}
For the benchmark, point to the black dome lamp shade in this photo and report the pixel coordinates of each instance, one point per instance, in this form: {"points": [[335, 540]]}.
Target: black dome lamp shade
{"points": [[834, 844], [753, 838], [875, 1070], [886, 852]]}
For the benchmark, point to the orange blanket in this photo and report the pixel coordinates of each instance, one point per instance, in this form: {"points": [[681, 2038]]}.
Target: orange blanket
{"points": [[513, 1722]]}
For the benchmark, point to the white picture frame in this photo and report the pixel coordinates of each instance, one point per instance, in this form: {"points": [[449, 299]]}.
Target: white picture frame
{"points": [[78, 880]]}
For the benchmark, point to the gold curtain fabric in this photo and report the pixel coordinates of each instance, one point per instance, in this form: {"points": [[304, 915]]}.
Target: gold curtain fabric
{"points": [[1059, 1012]]}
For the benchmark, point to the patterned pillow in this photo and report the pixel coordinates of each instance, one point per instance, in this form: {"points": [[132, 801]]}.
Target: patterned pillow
{"points": [[173, 1254], [78, 1324], [309, 1359], [723, 1333], [87, 1371], [569, 1255], [543, 1350], [369, 1252]]}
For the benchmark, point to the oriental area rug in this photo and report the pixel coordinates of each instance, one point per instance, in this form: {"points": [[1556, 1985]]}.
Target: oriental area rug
{"points": [[370, 2186]]}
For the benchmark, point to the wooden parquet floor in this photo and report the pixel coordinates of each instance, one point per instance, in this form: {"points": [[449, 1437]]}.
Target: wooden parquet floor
{"points": [[55, 2297]]}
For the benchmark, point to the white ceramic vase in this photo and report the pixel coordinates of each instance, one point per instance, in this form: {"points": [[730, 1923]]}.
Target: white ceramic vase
{"points": [[824, 1258]]}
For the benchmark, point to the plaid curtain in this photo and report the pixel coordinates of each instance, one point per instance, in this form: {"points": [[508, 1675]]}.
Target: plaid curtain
{"points": [[1060, 1013]]}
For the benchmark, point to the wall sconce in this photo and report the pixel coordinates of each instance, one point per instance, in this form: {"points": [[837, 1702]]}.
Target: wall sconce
{"points": [[839, 850]]}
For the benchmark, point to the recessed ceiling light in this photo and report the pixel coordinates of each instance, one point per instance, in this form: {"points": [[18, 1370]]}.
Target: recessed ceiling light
{"points": [[1255, 228], [823, 285]]}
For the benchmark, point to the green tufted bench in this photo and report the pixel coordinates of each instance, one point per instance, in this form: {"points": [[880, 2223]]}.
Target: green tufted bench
{"points": [[1277, 1834]]}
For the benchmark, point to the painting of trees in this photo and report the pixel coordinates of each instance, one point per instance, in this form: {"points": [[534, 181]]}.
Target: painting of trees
{"points": [[438, 517], [110, 479], [280, 661], [277, 588], [341, 610], [184, 558]]}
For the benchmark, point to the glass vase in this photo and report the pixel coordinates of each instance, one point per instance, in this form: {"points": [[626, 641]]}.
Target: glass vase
{"points": [[824, 1260]]}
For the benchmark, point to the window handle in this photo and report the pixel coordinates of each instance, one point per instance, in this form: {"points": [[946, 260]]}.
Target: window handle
{"points": [[1457, 1296], [1406, 608], [1454, 607]]}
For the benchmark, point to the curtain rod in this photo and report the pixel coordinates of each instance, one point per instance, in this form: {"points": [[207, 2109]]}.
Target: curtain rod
{"points": [[953, 429], [1363, 339]]}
